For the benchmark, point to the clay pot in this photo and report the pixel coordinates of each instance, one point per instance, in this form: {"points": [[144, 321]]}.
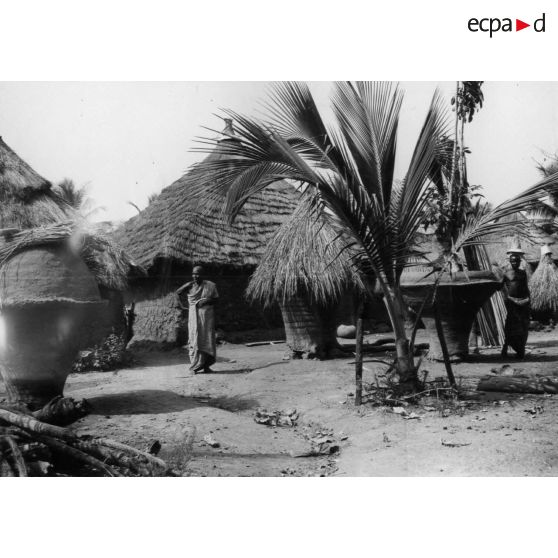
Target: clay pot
{"points": [[48, 299], [346, 331], [458, 297]]}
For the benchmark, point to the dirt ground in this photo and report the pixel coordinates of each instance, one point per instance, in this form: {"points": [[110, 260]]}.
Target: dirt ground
{"points": [[159, 399]]}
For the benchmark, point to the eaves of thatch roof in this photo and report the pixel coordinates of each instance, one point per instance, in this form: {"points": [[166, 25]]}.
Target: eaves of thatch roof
{"points": [[26, 198], [108, 263], [172, 227], [305, 257]]}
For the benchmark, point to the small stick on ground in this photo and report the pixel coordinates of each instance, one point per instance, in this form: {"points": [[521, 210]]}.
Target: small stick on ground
{"points": [[123, 447]]}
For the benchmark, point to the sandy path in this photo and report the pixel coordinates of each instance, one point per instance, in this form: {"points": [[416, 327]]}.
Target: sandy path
{"points": [[160, 400]]}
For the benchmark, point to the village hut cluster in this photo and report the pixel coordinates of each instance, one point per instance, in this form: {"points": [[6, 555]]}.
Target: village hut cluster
{"points": [[309, 269]]}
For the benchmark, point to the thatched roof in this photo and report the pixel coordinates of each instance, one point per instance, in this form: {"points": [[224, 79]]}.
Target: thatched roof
{"points": [[107, 262], [26, 198], [171, 227], [305, 256]]}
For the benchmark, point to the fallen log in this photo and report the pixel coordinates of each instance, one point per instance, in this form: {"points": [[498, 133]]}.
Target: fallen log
{"points": [[114, 457], [63, 450], [134, 451], [519, 384], [31, 447], [33, 425]]}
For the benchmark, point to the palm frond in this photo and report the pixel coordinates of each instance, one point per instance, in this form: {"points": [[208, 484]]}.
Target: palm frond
{"points": [[497, 221], [367, 116]]}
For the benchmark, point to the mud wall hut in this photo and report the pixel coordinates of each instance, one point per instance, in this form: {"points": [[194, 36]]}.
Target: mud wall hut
{"points": [[171, 235]]}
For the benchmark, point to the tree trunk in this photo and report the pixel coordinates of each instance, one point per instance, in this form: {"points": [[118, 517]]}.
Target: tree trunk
{"points": [[310, 329], [358, 357], [405, 365]]}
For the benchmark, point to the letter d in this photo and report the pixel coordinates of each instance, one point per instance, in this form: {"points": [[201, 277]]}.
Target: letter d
{"points": [[540, 21]]}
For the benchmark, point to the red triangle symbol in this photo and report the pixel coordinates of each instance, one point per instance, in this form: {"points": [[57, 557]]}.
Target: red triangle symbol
{"points": [[519, 25]]}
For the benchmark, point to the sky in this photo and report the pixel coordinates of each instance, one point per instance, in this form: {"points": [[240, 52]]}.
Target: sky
{"points": [[127, 140]]}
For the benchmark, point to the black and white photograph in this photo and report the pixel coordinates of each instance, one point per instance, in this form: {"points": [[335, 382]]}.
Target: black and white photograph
{"points": [[274, 279]]}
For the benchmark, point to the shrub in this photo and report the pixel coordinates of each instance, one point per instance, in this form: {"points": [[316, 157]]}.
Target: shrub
{"points": [[110, 354]]}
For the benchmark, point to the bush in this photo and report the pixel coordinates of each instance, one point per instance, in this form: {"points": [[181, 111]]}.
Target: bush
{"points": [[111, 354]]}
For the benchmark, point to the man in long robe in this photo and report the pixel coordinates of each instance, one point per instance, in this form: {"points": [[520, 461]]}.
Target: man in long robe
{"points": [[516, 291], [202, 296]]}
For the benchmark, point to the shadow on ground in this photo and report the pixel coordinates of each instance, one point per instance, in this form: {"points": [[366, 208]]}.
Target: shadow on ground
{"points": [[153, 401], [234, 404], [144, 359], [144, 401]]}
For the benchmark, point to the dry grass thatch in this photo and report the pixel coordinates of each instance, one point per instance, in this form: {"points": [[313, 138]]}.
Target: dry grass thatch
{"points": [[305, 256], [108, 263], [26, 198], [543, 286], [173, 227]]}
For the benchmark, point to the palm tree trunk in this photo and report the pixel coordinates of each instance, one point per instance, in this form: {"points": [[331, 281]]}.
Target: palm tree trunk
{"points": [[405, 362]]}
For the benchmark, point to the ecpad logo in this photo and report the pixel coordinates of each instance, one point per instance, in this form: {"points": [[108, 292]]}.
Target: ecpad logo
{"points": [[494, 24]]}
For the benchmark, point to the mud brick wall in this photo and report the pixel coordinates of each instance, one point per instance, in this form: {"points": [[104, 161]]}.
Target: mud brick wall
{"points": [[158, 320]]}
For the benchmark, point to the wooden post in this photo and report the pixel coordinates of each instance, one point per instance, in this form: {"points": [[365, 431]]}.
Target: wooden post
{"points": [[440, 331], [358, 357]]}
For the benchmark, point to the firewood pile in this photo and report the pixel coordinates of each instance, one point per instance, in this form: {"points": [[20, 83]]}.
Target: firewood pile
{"points": [[31, 447]]}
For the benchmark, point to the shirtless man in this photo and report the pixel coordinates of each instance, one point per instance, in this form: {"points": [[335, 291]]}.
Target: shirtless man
{"points": [[516, 292]]}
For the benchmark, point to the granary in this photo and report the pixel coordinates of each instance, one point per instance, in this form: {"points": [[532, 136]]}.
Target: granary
{"points": [[307, 269], [172, 235], [30, 209]]}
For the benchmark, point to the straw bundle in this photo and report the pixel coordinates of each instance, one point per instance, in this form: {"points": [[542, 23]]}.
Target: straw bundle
{"points": [[543, 286]]}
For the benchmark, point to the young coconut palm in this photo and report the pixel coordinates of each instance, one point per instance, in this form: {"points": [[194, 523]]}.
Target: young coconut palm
{"points": [[347, 171]]}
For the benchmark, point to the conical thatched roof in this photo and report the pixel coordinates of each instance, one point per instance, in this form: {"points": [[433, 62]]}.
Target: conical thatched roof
{"points": [[26, 198], [171, 227]]}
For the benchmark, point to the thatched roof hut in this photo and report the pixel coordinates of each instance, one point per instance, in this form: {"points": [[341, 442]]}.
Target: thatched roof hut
{"points": [[172, 227], [26, 198], [172, 234]]}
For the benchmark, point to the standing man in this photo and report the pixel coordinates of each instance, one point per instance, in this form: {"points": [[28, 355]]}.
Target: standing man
{"points": [[202, 296], [516, 293]]}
